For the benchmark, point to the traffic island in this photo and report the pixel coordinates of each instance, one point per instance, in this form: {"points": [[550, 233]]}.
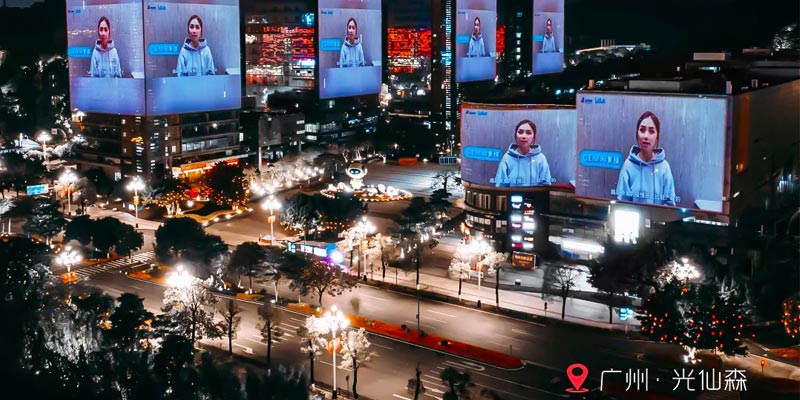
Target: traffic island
{"points": [[435, 342]]}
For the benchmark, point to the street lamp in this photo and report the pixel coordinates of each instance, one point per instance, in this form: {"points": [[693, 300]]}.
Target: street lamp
{"points": [[69, 257], [271, 204], [480, 247], [43, 138], [685, 270], [179, 279], [69, 178], [362, 229], [136, 185], [334, 321]]}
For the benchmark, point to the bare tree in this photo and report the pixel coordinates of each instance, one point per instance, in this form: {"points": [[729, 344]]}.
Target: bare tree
{"points": [[310, 333], [269, 326], [230, 321], [355, 353], [561, 278]]}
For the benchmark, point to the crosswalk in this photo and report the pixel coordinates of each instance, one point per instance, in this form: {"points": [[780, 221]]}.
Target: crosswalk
{"points": [[115, 265]]}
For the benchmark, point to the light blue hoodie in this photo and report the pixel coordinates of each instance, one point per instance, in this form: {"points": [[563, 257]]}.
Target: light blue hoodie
{"points": [[646, 182], [516, 169], [195, 61], [549, 44], [351, 55], [105, 62], [476, 48]]}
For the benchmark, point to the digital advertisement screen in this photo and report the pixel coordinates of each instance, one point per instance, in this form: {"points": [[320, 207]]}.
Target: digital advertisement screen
{"points": [[548, 36], [349, 48], [659, 150], [476, 40], [192, 56], [106, 59], [518, 145]]}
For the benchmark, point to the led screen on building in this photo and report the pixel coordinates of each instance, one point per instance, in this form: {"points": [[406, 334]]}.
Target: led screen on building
{"points": [[106, 59], [349, 48], [192, 56], [648, 149], [548, 36], [476, 41], [518, 145]]}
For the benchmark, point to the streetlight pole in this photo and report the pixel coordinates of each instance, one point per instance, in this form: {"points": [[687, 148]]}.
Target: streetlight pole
{"points": [[335, 321], [271, 204], [136, 185], [69, 178], [43, 138], [69, 257]]}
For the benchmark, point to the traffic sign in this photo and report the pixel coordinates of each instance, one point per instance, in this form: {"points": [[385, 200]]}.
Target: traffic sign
{"points": [[625, 313], [36, 189]]}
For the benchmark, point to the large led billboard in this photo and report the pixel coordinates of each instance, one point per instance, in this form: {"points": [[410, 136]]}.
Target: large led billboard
{"points": [[548, 36], [192, 56], [349, 48], [518, 145], [652, 149], [106, 59], [476, 40]]}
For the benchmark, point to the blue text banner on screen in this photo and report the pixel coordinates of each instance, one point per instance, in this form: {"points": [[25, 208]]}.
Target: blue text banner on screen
{"points": [[483, 153], [601, 159]]}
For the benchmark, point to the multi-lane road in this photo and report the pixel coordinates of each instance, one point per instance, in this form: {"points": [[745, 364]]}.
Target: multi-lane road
{"points": [[547, 349]]}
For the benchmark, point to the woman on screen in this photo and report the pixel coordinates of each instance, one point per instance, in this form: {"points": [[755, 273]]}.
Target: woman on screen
{"points": [[523, 164], [476, 47], [352, 54], [549, 41], [645, 176], [105, 60], [195, 58]]}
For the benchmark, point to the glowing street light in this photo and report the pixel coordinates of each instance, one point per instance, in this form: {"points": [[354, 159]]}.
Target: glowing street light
{"points": [[271, 204], [180, 278], [685, 270], [136, 185], [362, 229], [69, 257], [43, 138], [69, 178], [334, 321]]}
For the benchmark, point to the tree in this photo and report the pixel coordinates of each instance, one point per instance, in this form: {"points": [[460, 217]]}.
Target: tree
{"points": [[170, 193], [338, 213], [448, 180], [230, 321], [218, 383], [129, 322], [46, 220], [185, 310], [660, 315], [269, 326], [791, 316], [714, 319], [320, 278], [355, 353], [298, 214], [227, 184], [183, 239], [615, 273], [311, 334], [456, 381], [416, 214], [79, 229], [776, 278], [248, 259], [561, 278], [128, 240], [173, 363], [102, 183]]}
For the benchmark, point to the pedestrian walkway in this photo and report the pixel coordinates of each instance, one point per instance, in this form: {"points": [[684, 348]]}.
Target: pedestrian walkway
{"points": [[115, 265]]}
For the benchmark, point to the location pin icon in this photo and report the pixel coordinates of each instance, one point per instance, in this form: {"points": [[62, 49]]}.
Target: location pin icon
{"points": [[577, 374]]}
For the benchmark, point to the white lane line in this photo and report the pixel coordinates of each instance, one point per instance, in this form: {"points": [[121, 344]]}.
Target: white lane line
{"points": [[433, 319], [432, 383], [400, 397], [114, 290], [248, 350], [509, 337], [302, 321], [445, 314], [523, 332], [135, 287], [373, 297], [256, 341], [295, 327], [428, 394], [380, 345]]}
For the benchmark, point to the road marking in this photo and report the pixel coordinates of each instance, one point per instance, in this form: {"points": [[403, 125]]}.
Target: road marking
{"points": [[503, 345], [135, 287], [114, 290], [466, 364], [523, 332], [509, 337], [380, 345], [257, 341], [290, 325], [432, 383], [248, 350], [445, 314], [373, 297], [434, 319], [428, 394], [302, 321], [400, 397]]}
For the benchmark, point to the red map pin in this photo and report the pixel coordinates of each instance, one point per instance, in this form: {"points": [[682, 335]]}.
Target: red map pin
{"points": [[577, 374]]}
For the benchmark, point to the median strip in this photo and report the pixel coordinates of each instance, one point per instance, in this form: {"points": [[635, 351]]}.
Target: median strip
{"points": [[435, 342]]}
